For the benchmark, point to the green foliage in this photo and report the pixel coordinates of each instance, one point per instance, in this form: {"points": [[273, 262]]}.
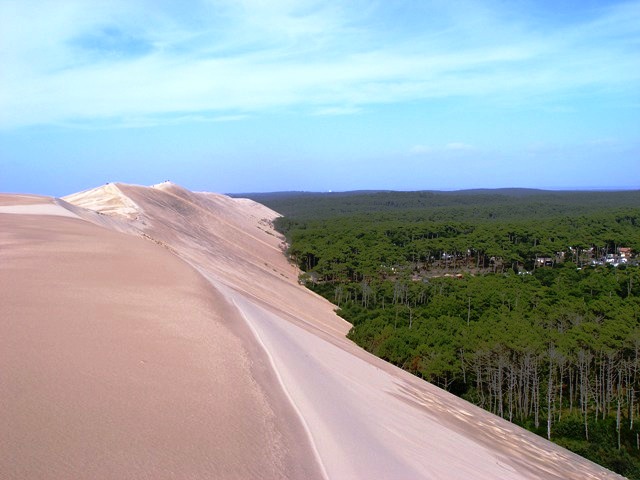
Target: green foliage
{"points": [[476, 205], [601, 446], [455, 288]]}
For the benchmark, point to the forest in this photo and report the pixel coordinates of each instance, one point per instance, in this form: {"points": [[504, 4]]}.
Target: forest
{"points": [[524, 302]]}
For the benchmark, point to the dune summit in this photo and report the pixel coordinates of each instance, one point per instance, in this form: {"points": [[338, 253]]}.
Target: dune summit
{"points": [[155, 332]]}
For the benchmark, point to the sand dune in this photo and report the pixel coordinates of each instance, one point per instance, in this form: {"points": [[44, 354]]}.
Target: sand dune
{"points": [[120, 361], [107, 199], [185, 348]]}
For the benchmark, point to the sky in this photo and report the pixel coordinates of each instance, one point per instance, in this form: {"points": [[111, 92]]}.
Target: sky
{"points": [[267, 95]]}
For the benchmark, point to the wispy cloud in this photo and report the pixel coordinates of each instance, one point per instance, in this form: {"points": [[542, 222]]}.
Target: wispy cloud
{"points": [[342, 110], [70, 61], [421, 150], [459, 147]]}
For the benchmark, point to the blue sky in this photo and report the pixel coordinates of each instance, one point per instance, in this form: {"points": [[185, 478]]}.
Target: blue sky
{"points": [[259, 95]]}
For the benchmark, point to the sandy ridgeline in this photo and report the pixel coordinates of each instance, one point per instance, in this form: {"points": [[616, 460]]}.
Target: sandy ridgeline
{"points": [[154, 332]]}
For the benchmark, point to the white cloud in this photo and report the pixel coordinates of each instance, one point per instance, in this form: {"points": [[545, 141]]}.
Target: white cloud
{"points": [[421, 150], [236, 58], [458, 146]]}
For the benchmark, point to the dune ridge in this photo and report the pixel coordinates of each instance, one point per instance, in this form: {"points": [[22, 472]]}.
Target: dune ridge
{"points": [[334, 410], [107, 199]]}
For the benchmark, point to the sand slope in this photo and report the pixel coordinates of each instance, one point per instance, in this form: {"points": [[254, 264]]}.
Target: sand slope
{"points": [[231, 332], [118, 360]]}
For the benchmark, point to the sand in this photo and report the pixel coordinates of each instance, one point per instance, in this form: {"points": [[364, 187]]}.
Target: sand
{"points": [[120, 361], [246, 373], [37, 209]]}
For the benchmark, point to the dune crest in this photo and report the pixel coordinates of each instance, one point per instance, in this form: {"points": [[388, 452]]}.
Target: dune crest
{"points": [[107, 199], [318, 406]]}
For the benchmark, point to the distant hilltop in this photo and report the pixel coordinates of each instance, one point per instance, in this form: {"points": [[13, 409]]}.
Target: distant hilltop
{"points": [[511, 192], [302, 205]]}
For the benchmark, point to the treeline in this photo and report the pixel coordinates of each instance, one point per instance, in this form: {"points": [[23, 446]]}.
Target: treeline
{"points": [[356, 248], [500, 204], [467, 304], [556, 351]]}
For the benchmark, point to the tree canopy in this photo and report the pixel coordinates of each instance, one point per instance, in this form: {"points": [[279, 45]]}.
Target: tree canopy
{"points": [[509, 299]]}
